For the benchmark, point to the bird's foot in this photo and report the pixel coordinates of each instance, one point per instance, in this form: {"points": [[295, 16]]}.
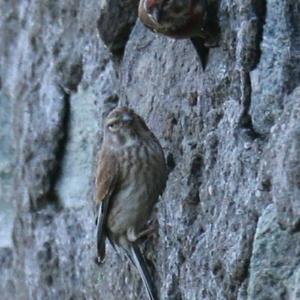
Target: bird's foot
{"points": [[132, 236]]}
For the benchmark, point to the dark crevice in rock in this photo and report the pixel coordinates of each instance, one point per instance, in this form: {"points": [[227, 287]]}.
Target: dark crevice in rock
{"points": [[260, 9], [195, 179], [51, 196], [171, 164], [292, 71], [217, 269], [249, 55], [6, 258], [116, 46], [244, 271], [48, 261], [70, 75], [266, 185], [296, 227], [76, 73], [115, 24], [245, 121], [182, 258], [196, 166], [174, 292]]}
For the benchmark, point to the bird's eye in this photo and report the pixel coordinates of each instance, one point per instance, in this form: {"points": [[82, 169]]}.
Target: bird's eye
{"points": [[113, 126]]}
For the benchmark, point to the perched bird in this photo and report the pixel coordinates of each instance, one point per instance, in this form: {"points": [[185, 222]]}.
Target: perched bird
{"points": [[182, 19], [130, 177]]}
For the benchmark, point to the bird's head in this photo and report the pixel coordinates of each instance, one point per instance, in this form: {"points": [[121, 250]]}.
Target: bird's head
{"points": [[124, 127], [164, 12]]}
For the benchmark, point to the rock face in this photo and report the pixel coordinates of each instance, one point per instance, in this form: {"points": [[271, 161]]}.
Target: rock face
{"points": [[229, 219]]}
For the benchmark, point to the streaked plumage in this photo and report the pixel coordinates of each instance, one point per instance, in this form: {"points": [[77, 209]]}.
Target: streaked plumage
{"points": [[182, 19], [174, 18], [130, 177]]}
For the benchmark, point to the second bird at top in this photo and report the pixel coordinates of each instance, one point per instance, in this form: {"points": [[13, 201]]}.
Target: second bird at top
{"points": [[179, 19], [175, 18]]}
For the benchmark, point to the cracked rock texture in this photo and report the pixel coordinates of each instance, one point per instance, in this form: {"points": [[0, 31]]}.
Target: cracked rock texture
{"points": [[229, 219]]}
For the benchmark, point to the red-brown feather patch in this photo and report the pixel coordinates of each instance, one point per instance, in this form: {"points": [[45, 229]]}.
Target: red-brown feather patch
{"points": [[151, 3]]}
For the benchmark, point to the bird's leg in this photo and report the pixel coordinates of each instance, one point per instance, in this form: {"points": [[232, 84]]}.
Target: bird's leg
{"points": [[147, 231], [132, 236]]}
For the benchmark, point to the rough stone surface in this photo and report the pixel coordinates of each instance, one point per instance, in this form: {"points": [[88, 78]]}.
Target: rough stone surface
{"points": [[229, 217], [275, 261], [285, 162]]}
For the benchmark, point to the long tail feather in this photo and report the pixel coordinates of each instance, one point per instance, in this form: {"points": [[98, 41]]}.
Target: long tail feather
{"points": [[100, 236], [201, 50], [138, 260]]}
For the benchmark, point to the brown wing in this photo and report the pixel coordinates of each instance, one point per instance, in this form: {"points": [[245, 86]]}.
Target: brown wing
{"points": [[107, 175], [106, 182]]}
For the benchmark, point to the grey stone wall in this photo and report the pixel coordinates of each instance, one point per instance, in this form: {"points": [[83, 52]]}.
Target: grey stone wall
{"points": [[229, 219]]}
